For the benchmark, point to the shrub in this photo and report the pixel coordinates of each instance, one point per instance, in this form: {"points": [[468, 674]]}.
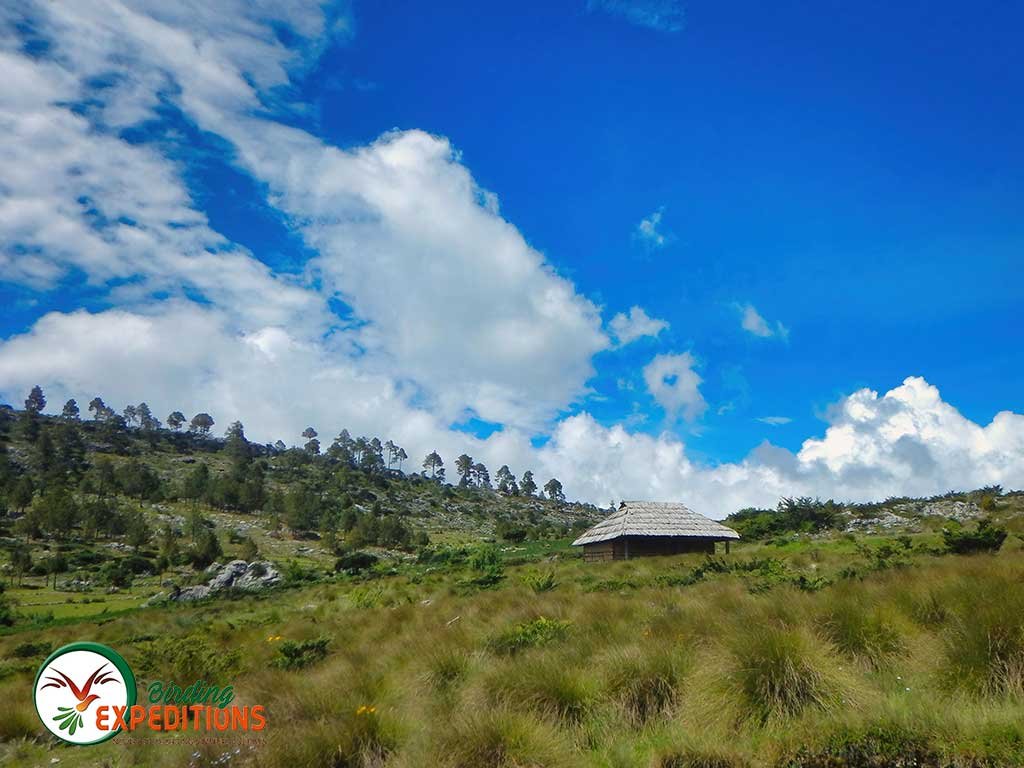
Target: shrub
{"points": [[485, 558], [7, 615], [28, 650], [188, 658], [529, 634], [366, 597], [885, 745], [301, 654], [139, 565], [116, 573], [297, 573], [442, 555], [355, 562], [541, 582], [689, 757], [986, 538]]}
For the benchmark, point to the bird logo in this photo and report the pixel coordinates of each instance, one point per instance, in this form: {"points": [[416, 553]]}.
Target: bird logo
{"points": [[70, 718], [77, 687]]}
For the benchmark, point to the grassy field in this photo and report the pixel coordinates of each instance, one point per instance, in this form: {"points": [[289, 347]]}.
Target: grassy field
{"points": [[819, 652]]}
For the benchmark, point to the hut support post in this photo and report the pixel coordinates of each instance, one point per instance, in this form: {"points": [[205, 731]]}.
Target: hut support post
{"points": [[727, 546]]}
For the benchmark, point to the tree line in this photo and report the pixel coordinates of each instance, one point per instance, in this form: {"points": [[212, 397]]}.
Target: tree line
{"points": [[43, 487]]}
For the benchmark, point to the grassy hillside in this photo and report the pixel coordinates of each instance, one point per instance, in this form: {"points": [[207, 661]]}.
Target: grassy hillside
{"points": [[859, 652], [420, 624], [100, 517]]}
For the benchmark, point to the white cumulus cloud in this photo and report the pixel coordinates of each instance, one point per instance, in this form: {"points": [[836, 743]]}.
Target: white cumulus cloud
{"points": [[453, 312]]}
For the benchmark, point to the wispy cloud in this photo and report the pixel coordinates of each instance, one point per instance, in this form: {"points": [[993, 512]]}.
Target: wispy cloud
{"points": [[660, 15], [647, 230], [775, 421], [636, 324], [753, 322]]}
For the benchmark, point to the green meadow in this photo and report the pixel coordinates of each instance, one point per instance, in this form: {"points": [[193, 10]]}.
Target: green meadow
{"points": [[849, 651]]}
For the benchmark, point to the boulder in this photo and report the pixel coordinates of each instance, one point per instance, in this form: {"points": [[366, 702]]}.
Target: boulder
{"points": [[238, 574]]}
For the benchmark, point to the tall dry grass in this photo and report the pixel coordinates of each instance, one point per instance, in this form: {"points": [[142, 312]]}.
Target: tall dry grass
{"points": [[924, 661]]}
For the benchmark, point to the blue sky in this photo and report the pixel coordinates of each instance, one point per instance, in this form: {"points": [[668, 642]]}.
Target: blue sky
{"points": [[450, 205]]}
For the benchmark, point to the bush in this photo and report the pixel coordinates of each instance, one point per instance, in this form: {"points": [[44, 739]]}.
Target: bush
{"points": [[986, 538], [485, 558], [355, 562], [7, 616], [116, 573], [138, 564], [365, 597], [887, 745], [189, 658], [28, 650], [541, 582], [529, 634], [697, 758], [298, 655]]}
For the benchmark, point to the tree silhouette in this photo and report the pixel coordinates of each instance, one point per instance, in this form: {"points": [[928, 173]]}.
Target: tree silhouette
{"points": [[528, 486], [36, 401], [464, 467], [433, 462], [201, 423], [553, 489], [70, 412]]}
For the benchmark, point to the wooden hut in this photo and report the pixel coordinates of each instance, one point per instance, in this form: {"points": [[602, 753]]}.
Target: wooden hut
{"points": [[643, 528]]}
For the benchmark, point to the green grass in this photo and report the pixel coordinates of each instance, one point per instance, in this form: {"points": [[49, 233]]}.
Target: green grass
{"points": [[917, 662], [719, 673]]}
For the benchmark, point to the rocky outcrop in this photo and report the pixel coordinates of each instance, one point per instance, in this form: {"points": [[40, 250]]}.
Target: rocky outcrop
{"points": [[238, 574], [884, 521], [954, 510], [907, 515]]}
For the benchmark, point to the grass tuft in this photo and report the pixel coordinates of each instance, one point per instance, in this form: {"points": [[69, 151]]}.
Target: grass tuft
{"points": [[779, 672]]}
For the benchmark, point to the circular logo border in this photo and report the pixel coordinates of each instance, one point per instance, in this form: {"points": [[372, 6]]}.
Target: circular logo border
{"points": [[110, 655]]}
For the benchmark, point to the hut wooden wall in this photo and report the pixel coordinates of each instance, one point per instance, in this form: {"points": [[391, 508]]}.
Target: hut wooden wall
{"points": [[646, 546]]}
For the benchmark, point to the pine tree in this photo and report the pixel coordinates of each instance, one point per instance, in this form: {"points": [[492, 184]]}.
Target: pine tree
{"points": [[434, 463], [528, 485], [70, 412], [464, 466]]}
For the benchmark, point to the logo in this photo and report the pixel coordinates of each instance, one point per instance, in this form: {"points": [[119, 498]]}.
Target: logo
{"points": [[74, 683]]}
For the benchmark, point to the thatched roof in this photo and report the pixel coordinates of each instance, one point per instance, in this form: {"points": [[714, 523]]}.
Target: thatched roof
{"points": [[655, 518]]}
